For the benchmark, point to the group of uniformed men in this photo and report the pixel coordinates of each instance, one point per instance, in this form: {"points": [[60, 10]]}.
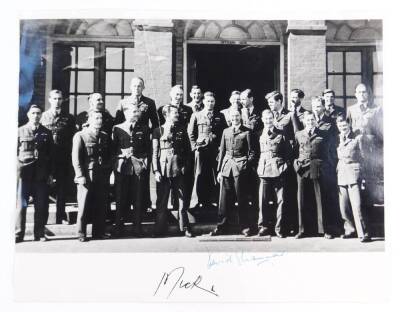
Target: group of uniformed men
{"points": [[253, 163]]}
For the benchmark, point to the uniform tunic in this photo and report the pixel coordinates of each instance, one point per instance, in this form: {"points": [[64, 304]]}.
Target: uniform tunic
{"points": [[205, 132], [91, 159], [349, 174], [131, 151], [63, 128], [237, 155], [34, 153], [171, 149]]}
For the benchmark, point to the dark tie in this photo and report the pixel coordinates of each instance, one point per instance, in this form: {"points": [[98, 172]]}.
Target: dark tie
{"points": [[310, 133], [269, 132]]}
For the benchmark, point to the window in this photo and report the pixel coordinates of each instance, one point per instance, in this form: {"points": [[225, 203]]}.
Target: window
{"points": [[349, 66], [83, 68]]}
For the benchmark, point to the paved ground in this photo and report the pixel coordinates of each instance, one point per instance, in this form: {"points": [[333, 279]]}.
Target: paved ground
{"points": [[200, 244]]}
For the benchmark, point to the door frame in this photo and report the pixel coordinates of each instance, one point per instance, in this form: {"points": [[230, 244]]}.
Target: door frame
{"points": [[188, 42]]}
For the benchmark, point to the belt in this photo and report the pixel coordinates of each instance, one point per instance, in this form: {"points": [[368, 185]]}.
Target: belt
{"points": [[269, 154], [229, 156]]}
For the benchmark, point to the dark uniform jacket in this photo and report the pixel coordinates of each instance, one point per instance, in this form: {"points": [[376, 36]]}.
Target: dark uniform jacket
{"points": [[91, 154], [205, 131], [312, 153], [328, 125], [236, 152], [34, 152], [108, 121], [252, 120], [350, 155], [289, 122], [171, 150], [131, 148], [146, 105], [195, 107], [275, 152], [335, 112], [63, 128], [185, 112]]}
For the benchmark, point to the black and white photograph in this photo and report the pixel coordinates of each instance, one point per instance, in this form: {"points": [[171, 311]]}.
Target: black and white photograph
{"points": [[170, 135], [235, 154]]}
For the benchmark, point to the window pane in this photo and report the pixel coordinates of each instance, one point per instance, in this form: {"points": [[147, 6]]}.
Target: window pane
{"points": [[82, 104], [335, 82], [112, 102], [351, 82], [113, 82], [129, 58], [378, 85], [353, 62], [339, 102], [71, 104], [72, 82], [335, 62], [377, 61], [114, 58], [127, 81], [85, 81], [73, 61], [85, 57]]}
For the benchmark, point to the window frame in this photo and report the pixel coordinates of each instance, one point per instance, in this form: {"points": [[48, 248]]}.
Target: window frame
{"points": [[99, 70], [366, 68]]}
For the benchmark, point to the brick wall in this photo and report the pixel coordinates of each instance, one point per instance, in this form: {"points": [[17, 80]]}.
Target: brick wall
{"points": [[153, 62], [307, 64]]}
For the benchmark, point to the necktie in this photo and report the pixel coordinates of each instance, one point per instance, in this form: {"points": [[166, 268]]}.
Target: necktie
{"points": [[310, 133]]}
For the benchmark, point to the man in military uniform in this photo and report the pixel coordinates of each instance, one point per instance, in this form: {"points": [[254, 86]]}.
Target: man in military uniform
{"points": [[196, 104], [131, 149], [96, 103], [332, 110], [146, 105], [185, 112], [171, 148], [284, 120], [275, 152], [296, 96], [366, 118], [349, 173], [311, 167], [35, 147], [234, 100], [91, 159], [237, 155], [251, 116], [148, 114], [205, 131], [326, 124], [62, 126]]}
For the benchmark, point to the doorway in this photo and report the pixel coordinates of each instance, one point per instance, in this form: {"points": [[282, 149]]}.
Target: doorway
{"points": [[223, 68]]}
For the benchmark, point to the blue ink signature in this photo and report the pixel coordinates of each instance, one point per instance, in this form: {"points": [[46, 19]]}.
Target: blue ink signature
{"points": [[240, 259]]}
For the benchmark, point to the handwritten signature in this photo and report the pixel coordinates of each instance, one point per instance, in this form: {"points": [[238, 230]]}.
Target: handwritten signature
{"points": [[174, 280], [239, 259]]}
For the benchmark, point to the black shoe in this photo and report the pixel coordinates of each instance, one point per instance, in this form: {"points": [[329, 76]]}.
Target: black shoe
{"points": [[299, 235], [44, 239], [263, 231], [188, 233], [102, 236], [138, 234], [19, 240], [365, 239], [157, 235], [328, 236], [62, 221], [278, 234], [346, 236], [82, 239]]}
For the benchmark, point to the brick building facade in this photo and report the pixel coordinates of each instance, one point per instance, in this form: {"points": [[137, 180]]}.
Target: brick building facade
{"points": [[99, 55]]}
